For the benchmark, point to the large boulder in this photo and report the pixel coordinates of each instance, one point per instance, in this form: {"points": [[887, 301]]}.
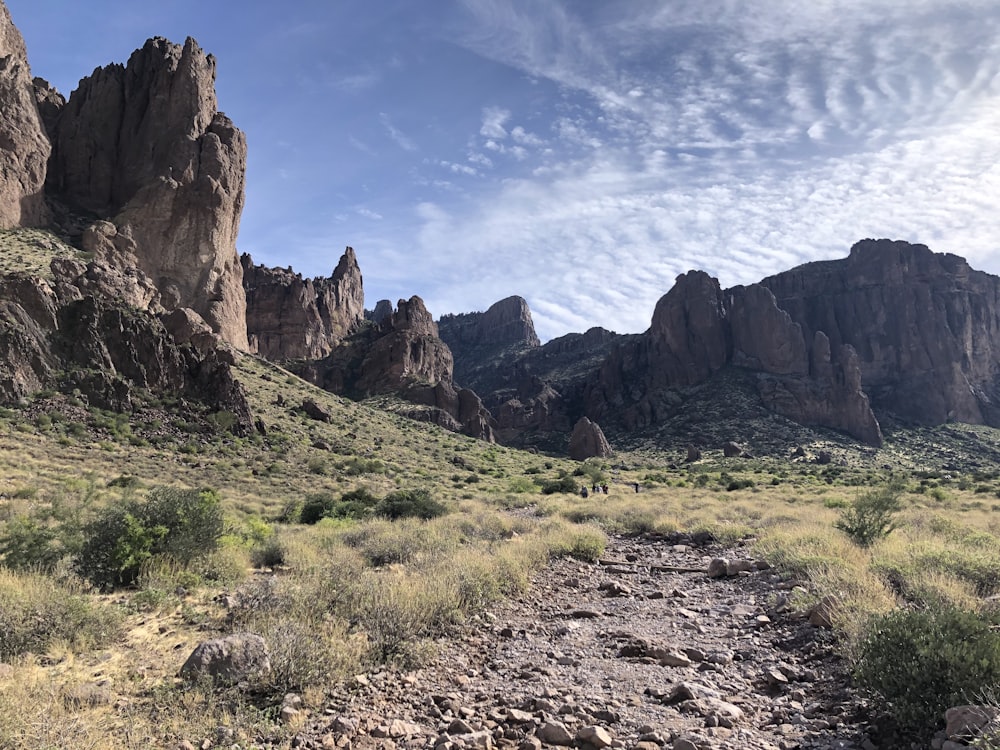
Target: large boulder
{"points": [[588, 441], [24, 145], [229, 659], [144, 146]]}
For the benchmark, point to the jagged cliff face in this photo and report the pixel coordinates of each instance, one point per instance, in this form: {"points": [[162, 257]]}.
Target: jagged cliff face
{"points": [[403, 355], [289, 317], [24, 145], [507, 322], [925, 327], [144, 146], [56, 335], [698, 329]]}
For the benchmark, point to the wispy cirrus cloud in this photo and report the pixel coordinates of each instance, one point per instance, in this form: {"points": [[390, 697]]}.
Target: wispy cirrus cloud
{"points": [[401, 139]]}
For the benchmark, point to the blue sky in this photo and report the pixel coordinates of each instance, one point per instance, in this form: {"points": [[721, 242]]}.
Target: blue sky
{"points": [[582, 153]]}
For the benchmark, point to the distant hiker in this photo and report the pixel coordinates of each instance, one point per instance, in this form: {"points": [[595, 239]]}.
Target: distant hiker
{"points": [[636, 485], [604, 489], [583, 492], [595, 489]]}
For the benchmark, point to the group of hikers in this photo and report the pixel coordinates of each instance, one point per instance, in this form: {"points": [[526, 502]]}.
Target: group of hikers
{"points": [[596, 488]]}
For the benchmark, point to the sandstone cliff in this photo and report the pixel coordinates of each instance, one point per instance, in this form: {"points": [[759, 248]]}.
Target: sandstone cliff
{"points": [[24, 145], [144, 146], [289, 317]]}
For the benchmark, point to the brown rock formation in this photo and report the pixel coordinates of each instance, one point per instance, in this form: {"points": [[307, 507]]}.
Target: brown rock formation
{"points": [[697, 330], [289, 317], [24, 146], [403, 355], [505, 322], [588, 441], [144, 146], [60, 337], [925, 327]]}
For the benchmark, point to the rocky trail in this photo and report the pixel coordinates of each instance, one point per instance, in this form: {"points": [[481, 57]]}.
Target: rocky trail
{"points": [[643, 650]]}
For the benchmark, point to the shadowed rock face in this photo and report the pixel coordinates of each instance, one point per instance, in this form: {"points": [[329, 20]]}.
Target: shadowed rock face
{"points": [[588, 441], [60, 337], [698, 329], [24, 145], [289, 317], [403, 355], [144, 146], [505, 323], [925, 327]]}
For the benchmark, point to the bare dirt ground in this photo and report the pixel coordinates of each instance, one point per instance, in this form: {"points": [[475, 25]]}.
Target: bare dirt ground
{"points": [[643, 650]]}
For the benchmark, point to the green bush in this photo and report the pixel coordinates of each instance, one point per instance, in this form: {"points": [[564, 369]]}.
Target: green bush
{"points": [[563, 484], [919, 663], [870, 517], [316, 506], [180, 524], [31, 544], [410, 504]]}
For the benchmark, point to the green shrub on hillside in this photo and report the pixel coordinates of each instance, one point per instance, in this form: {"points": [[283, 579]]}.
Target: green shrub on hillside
{"points": [[180, 524], [870, 517], [410, 504], [563, 484], [919, 663]]}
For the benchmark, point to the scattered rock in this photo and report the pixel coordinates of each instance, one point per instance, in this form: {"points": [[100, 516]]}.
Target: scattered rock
{"points": [[231, 658]]}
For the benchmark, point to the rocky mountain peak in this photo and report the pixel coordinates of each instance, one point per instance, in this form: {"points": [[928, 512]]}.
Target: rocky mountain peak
{"points": [[143, 146], [505, 323], [289, 317], [24, 145]]}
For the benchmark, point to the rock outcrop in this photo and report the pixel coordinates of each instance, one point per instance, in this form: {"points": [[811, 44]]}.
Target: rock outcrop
{"points": [[403, 355], [698, 329], [507, 322], [588, 441], [57, 336], [289, 317], [144, 146], [925, 327], [24, 145]]}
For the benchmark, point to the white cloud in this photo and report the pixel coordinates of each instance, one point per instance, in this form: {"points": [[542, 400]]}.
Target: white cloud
{"points": [[520, 135], [400, 138], [368, 213], [493, 123]]}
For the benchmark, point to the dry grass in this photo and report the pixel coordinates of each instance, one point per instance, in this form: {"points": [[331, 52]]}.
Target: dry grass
{"points": [[349, 595], [31, 250]]}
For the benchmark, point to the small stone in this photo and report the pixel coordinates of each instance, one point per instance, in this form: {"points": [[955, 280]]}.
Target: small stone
{"points": [[594, 736], [288, 714], [718, 568], [555, 733]]}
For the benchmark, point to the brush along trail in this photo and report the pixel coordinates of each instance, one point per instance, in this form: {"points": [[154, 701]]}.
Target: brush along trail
{"points": [[643, 649]]}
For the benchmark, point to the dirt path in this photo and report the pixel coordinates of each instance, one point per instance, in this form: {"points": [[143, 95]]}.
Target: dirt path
{"points": [[641, 651]]}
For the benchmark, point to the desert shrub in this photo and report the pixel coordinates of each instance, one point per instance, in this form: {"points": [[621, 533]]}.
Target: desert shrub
{"points": [[870, 517], [180, 524], [35, 612], [563, 484], [28, 543], [918, 663], [580, 542], [316, 506], [268, 553], [416, 503]]}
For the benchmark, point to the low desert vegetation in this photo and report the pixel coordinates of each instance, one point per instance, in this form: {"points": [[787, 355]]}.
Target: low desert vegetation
{"points": [[354, 545]]}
